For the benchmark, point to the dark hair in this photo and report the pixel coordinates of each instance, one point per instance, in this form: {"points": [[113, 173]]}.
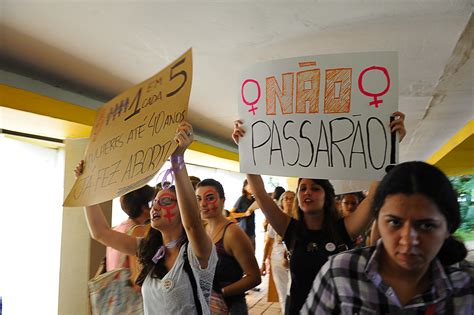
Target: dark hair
{"points": [[356, 195], [147, 249], [244, 192], [213, 183], [278, 192], [330, 213], [194, 181], [160, 186], [421, 178], [134, 201]]}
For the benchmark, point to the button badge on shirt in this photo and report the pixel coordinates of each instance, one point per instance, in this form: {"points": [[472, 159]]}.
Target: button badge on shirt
{"points": [[330, 247], [167, 284]]}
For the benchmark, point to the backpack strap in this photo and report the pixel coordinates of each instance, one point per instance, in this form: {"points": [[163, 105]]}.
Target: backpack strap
{"points": [[189, 271]]}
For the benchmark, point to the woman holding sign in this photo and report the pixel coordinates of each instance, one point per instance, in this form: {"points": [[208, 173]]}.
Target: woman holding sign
{"points": [[319, 232], [416, 268], [176, 278]]}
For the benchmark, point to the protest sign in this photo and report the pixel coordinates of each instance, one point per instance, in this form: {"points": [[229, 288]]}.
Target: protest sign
{"points": [[322, 116], [133, 135]]}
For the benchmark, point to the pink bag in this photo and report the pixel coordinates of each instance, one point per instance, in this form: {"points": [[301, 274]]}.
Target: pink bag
{"points": [[217, 305]]}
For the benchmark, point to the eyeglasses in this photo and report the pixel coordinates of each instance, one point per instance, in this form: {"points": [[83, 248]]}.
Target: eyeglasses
{"points": [[163, 202]]}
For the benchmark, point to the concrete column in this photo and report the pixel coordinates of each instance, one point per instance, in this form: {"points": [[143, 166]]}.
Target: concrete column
{"points": [[80, 255]]}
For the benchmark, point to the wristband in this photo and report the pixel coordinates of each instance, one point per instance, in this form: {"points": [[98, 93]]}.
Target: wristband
{"points": [[177, 162]]}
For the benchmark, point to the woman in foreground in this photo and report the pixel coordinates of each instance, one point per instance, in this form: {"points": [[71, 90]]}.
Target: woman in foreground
{"points": [[167, 287], [417, 266]]}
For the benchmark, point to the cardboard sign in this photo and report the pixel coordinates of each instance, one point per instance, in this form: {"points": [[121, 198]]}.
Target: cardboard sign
{"points": [[320, 116], [133, 135]]}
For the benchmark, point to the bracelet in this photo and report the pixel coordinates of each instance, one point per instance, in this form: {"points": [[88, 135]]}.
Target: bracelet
{"points": [[222, 292], [168, 177], [177, 160]]}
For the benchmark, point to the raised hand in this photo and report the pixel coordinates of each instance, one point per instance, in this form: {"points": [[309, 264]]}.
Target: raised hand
{"points": [[79, 168], [398, 124], [184, 137], [238, 131]]}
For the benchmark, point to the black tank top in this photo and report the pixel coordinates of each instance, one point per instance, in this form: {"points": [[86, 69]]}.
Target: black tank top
{"points": [[228, 269]]}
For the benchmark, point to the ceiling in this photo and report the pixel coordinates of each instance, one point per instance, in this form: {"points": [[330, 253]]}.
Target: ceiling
{"points": [[100, 48]]}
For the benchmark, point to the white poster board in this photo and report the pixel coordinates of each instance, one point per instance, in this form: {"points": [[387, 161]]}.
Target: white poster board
{"points": [[322, 116]]}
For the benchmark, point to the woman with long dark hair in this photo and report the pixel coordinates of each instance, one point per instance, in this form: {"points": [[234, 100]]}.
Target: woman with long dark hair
{"points": [[167, 282], [319, 232], [416, 267]]}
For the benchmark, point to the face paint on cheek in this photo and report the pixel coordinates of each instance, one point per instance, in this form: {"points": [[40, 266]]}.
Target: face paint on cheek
{"points": [[168, 214], [168, 209], [212, 204]]}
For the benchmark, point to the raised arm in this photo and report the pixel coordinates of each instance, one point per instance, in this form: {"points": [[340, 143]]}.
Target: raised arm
{"points": [[188, 206], [278, 220], [100, 229], [251, 209], [374, 234], [358, 222]]}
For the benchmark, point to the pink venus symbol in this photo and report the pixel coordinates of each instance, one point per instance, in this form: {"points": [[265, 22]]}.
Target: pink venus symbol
{"points": [[376, 101]]}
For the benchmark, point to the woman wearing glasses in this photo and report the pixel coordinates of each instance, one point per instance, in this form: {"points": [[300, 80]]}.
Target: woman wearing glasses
{"points": [[175, 221]]}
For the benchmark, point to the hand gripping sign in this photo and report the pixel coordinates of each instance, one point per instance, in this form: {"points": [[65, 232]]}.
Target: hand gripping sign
{"points": [[322, 116], [133, 135]]}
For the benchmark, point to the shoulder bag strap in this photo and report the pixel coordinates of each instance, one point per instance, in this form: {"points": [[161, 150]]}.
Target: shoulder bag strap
{"points": [[187, 268]]}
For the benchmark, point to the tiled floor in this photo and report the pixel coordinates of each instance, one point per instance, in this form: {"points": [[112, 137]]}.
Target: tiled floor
{"points": [[257, 301]]}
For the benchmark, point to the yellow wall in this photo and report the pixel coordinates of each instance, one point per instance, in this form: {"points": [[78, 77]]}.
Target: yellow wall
{"points": [[456, 157]]}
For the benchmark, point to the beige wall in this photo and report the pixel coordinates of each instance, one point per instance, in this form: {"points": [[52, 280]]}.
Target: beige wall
{"points": [[80, 255]]}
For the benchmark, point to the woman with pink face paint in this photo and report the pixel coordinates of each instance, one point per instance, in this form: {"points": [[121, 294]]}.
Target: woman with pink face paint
{"points": [[167, 286], [237, 269], [319, 232]]}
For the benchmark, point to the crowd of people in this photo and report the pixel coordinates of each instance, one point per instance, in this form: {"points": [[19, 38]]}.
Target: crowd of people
{"points": [[389, 252]]}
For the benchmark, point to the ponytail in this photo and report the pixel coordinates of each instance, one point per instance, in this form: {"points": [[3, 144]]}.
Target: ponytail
{"points": [[452, 251]]}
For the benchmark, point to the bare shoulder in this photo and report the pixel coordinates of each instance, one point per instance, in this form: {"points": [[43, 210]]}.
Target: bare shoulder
{"points": [[234, 231], [235, 237], [140, 230]]}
